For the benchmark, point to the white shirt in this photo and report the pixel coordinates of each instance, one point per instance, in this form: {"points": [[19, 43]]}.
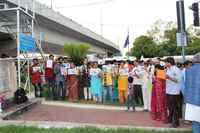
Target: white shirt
{"points": [[173, 88], [49, 64], [151, 69], [192, 112], [123, 71], [95, 71], [137, 73], [145, 77], [72, 71]]}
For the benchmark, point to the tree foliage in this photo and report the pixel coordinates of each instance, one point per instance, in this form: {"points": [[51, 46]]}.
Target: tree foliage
{"points": [[145, 46], [161, 41], [157, 30], [76, 51], [194, 46]]}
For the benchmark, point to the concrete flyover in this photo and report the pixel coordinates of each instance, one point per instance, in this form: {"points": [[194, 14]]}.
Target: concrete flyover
{"points": [[54, 30]]}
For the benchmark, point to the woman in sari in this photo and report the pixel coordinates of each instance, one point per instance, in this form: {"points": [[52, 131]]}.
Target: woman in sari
{"points": [[159, 101], [123, 83], [146, 87], [96, 83], [73, 83]]}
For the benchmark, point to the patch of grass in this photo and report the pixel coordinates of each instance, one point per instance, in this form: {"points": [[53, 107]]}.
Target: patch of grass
{"points": [[24, 129]]}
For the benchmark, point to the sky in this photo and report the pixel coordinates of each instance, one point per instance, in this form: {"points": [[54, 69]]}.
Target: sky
{"points": [[114, 18]]}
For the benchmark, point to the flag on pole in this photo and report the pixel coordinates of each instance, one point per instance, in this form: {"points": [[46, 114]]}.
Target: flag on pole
{"points": [[127, 41]]}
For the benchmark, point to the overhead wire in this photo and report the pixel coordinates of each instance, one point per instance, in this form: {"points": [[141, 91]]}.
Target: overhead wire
{"points": [[80, 5]]}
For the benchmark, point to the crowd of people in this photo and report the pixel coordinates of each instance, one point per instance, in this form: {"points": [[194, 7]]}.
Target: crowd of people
{"points": [[156, 84]]}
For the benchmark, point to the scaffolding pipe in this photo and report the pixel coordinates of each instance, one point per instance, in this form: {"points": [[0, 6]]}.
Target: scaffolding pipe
{"points": [[18, 45]]}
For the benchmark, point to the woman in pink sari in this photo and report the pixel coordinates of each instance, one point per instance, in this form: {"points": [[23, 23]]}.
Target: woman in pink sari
{"points": [[159, 101], [73, 83]]}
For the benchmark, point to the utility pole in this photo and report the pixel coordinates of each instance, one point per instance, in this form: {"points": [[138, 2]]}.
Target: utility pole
{"points": [[18, 44], [181, 26], [33, 5], [51, 4]]}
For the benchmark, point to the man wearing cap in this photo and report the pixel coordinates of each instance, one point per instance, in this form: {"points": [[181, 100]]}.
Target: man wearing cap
{"points": [[192, 94]]}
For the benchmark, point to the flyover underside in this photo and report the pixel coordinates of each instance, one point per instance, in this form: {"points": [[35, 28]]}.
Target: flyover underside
{"points": [[59, 34], [53, 35], [50, 48], [8, 46]]}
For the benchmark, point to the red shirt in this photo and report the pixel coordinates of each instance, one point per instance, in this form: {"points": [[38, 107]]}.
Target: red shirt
{"points": [[49, 72], [35, 75]]}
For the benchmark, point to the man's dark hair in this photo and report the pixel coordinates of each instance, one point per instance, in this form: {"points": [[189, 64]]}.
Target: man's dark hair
{"points": [[159, 59], [51, 55], [35, 59], [107, 62], [179, 65], [170, 60], [187, 62], [60, 58], [137, 61], [140, 61]]}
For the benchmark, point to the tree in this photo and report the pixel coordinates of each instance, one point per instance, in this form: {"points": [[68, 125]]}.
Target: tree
{"points": [[193, 32], [161, 51], [76, 51], [194, 46], [169, 43], [161, 41], [157, 30], [144, 46]]}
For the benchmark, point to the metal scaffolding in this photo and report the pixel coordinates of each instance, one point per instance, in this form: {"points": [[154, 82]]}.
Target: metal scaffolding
{"points": [[15, 19]]}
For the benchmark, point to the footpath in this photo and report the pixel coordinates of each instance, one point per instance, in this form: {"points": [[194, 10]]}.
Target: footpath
{"points": [[64, 114]]}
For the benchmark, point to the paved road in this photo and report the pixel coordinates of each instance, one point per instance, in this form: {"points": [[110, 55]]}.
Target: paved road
{"points": [[92, 116]]}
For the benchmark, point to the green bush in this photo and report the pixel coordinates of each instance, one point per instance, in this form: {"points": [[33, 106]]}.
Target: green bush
{"points": [[76, 51]]}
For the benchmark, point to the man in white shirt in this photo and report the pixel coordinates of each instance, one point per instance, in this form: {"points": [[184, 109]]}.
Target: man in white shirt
{"points": [[137, 82], [173, 87]]}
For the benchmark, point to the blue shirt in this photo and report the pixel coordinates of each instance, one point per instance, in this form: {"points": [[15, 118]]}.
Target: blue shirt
{"points": [[183, 80], [192, 85], [57, 71]]}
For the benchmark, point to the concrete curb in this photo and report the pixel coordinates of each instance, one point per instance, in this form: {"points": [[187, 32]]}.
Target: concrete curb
{"points": [[48, 124]]}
